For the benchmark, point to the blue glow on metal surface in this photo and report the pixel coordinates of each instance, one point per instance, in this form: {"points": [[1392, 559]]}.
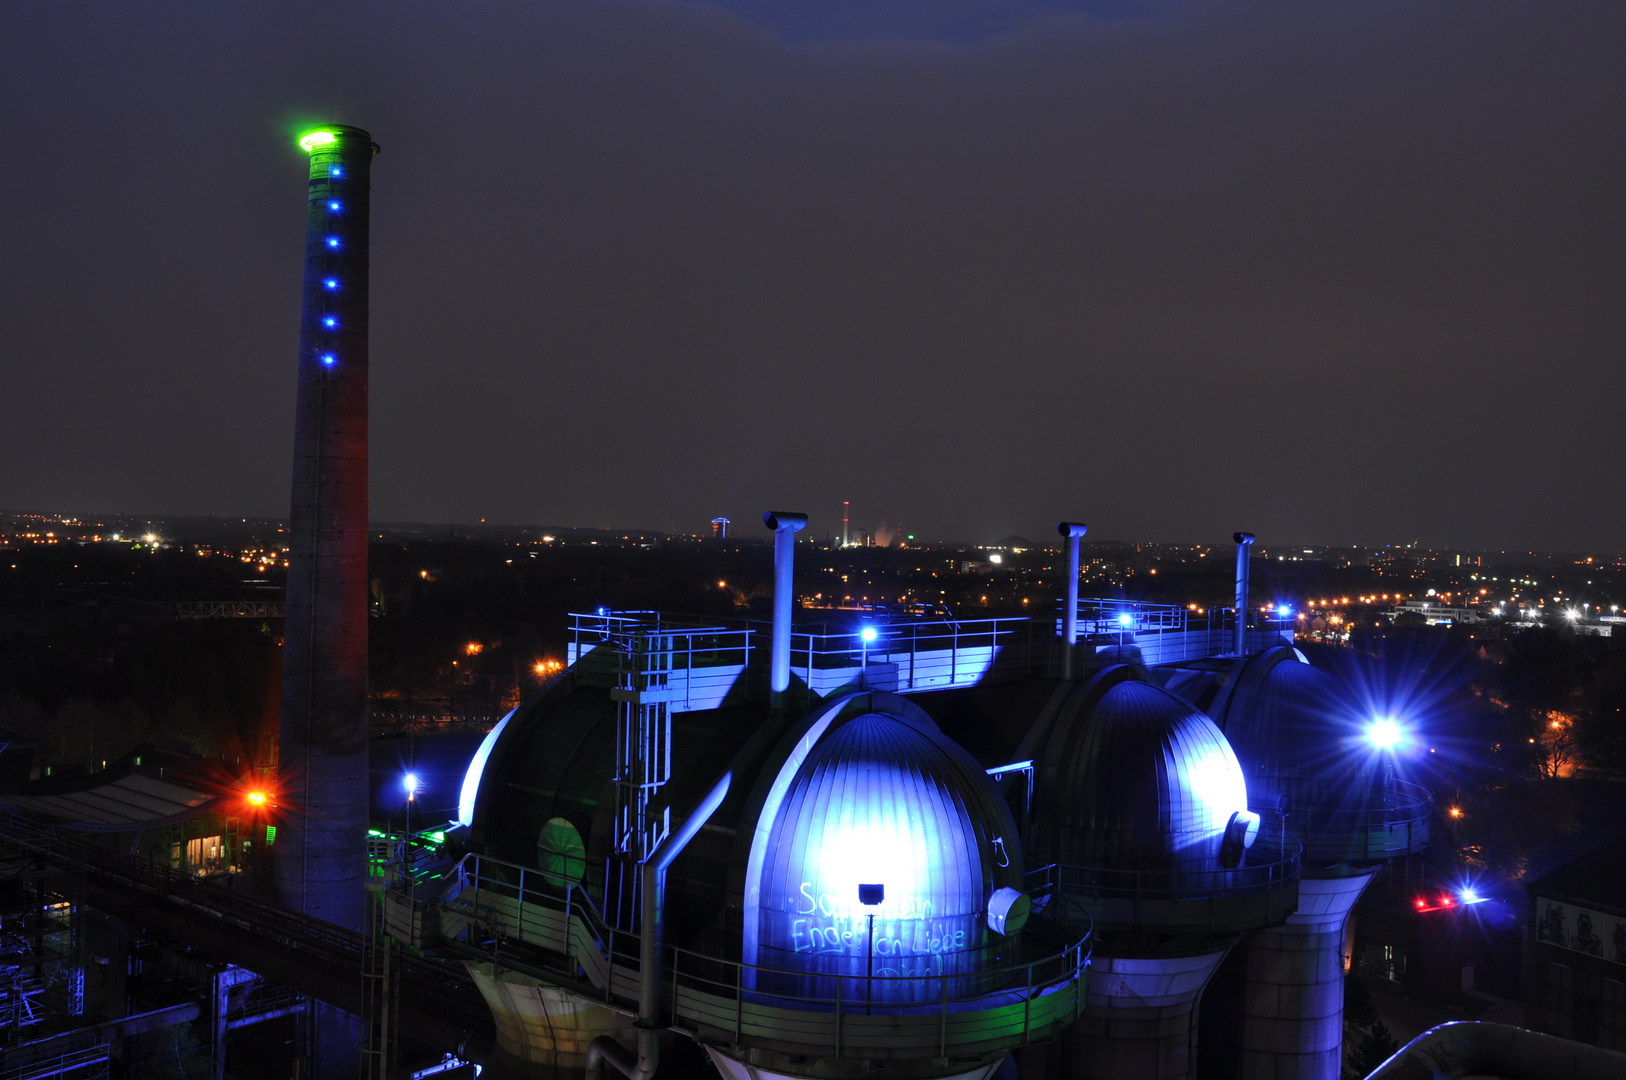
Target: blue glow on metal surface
{"points": [[331, 283], [1385, 733], [881, 822], [477, 767], [867, 634]]}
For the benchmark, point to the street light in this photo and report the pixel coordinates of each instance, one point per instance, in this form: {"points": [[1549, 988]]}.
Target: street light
{"points": [[870, 896]]}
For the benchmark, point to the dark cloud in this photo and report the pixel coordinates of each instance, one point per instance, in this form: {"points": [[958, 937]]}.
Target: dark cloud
{"points": [[1342, 272]]}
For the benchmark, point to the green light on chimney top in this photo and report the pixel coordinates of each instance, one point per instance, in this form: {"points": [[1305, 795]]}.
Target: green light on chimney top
{"points": [[311, 141]]}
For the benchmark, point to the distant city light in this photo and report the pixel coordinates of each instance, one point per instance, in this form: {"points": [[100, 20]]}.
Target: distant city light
{"points": [[473, 648], [996, 558], [1384, 733]]}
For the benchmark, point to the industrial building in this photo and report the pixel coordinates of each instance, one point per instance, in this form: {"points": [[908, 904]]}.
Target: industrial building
{"points": [[875, 844]]}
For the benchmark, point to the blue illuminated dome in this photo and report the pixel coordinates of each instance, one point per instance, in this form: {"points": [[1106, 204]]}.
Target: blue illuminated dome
{"points": [[1301, 735], [883, 816], [1141, 781]]}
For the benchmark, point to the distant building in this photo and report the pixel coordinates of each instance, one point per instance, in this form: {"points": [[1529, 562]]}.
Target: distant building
{"points": [[719, 528], [1576, 966]]}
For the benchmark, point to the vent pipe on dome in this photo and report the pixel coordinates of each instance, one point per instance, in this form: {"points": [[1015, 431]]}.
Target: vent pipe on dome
{"points": [[1244, 551], [1072, 530], [785, 526]]}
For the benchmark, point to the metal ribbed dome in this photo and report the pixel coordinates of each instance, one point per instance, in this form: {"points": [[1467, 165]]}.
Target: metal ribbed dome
{"points": [[883, 800], [1297, 733], [1141, 780]]}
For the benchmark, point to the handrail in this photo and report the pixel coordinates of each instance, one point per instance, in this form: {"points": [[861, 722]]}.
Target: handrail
{"points": [[1127, 883], [699, 970], [1399, 803]]}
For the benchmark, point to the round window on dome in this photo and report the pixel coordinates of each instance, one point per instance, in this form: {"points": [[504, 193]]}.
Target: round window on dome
{"points": [[559, 849]]}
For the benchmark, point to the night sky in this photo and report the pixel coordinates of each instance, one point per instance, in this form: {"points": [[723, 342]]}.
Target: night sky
{"points": [[1334, 272]]}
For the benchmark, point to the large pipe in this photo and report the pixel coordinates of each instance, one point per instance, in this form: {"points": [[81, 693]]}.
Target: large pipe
{"points": [[1244, 551], [320, 857], [1072, 530], [785, 526], [604, 1048]]}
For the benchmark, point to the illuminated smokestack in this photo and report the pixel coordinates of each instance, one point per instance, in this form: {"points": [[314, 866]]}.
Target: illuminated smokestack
{"points": [[785, 527], [1244, 550], [1072, 530], [321, 846]]}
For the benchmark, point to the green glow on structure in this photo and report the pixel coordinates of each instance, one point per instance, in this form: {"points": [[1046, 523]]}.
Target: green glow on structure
{"points": [[311, 140]]}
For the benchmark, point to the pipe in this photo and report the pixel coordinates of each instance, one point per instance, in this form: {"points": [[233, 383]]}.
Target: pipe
{"points": [[1244, 549], [785, 526], [648, 1059], [1072, 530]]}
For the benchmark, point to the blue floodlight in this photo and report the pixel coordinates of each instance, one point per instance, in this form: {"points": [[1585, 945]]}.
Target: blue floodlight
{"points": [[410, 783], [1384, 733], [1469, 896], [332, 206], [1284, 611], [867, 634], [331, 283], [333, 241], [330, 322], [1126, 619], [327, 358]]}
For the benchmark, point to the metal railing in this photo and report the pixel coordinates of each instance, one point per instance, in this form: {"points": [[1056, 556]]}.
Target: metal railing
{"points": [[999, 1005], [1261, 891], [696, 665], [1391, 823]]}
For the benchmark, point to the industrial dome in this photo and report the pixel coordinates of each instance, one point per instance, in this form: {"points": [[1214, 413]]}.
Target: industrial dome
{"points": [[1297, 733], [1142, 781], [884, 818]]}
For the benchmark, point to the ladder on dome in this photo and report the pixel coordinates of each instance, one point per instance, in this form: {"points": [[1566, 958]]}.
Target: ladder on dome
{"points": [[643, 760]]}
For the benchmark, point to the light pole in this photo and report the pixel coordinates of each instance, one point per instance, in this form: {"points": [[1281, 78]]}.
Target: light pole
{"points": [[870, 896]]}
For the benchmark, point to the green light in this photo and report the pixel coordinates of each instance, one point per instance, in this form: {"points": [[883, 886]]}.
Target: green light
{"points": [[270, 835], [311, 140]]}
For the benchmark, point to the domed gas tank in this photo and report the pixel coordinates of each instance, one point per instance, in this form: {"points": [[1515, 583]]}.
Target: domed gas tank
{"points": [[882, 847], [1136, 779]]}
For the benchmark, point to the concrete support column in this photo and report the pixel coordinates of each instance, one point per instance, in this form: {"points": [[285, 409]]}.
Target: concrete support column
{"points": [[1072, 530], [1276, 1008], [1140, 1019]]}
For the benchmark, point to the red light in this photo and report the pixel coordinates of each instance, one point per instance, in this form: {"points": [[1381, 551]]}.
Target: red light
{"points": [[257, 798], [1421, 903], [1445, 901]]}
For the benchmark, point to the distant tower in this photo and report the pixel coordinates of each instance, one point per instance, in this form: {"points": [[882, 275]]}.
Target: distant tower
{"points": [[320, 855], [719, 528], [844, 505]]}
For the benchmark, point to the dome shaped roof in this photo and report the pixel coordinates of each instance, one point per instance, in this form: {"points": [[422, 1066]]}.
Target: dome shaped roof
{"points": [[1139, 779], [1299, 734], [884, 816]]}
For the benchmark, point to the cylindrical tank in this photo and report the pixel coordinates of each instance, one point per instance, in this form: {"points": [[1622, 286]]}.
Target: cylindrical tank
{"points": [[1143, 808], [1276, 1006]]}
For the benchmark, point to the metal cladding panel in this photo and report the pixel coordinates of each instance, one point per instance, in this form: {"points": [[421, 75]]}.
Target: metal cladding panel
{"points": [[1299, 734], [1143, 782], [882, 800], [320, 852]]}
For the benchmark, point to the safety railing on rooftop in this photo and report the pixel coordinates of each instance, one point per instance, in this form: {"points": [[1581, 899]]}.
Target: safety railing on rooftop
{"points": [[1260, 891], [1001, 1005], [1168, 633], [696, 665], [1391, 822]]}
